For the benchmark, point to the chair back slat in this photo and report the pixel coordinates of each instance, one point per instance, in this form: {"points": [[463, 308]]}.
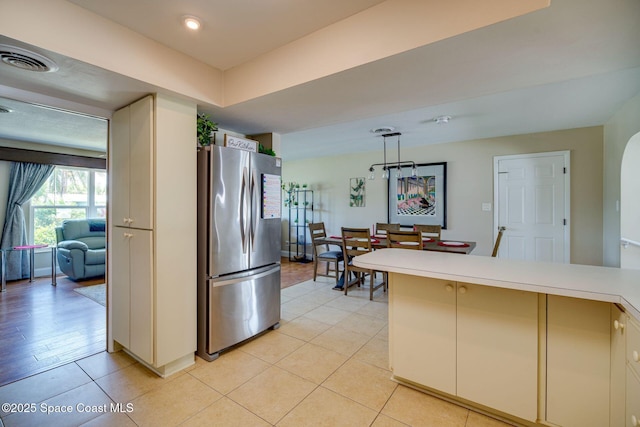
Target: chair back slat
{"points": [[317, 231], [404, 239], [384, 228], [356, 241], [428, 230]]}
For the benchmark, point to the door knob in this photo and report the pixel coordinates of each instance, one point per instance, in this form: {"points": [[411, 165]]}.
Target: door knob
{"points": [[634, 421], [449, 288], [636, 357], [618, 325], [463, 289]]}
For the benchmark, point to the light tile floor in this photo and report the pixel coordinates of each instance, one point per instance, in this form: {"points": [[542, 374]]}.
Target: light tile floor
{"points": [[327, 365]]}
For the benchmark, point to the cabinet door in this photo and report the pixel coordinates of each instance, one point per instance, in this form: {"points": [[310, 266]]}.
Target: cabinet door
{"points": [[422, 332], [498, 348], [633, 399], [633, 374], [142, 295], [120, 285], [578, 361], [132, 165], [141, 189], [618, 364], [633, 345], [119, 159]]}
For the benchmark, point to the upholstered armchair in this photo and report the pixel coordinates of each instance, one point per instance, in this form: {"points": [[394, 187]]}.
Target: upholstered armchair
{"points": [[82, 248]]}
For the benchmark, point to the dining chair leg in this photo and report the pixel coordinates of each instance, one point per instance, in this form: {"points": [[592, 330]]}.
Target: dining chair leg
{"points": [[373, 276], [346, 280]]}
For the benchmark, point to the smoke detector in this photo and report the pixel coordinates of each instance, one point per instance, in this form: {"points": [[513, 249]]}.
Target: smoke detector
{"points": [[26, 60], [383, 129], [441, 120]]}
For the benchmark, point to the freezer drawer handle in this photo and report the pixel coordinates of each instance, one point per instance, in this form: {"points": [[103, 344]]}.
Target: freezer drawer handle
{"points": [[244, 278]]}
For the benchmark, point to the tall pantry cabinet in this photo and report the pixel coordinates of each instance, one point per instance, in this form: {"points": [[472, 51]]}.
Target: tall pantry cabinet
{"points": [[152, 251]]}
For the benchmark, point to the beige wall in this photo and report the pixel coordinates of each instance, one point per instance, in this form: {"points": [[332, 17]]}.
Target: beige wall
{"points": [[617, 132], [469, 184]]}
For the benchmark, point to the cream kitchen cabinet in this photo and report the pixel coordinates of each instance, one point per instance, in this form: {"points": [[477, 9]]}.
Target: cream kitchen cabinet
{"points": [[475, 342], [132, 154], [132, 282], [578, 361], [422, 331], [152, 252], [618, 331], [588, 331], [633, 374]]}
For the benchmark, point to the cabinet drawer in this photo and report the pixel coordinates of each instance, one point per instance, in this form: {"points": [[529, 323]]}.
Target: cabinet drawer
{"points": [[633, 346], [633, 399]]}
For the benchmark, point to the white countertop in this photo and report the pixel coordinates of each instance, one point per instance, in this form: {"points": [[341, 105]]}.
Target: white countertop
{"points": [[615, 285]]}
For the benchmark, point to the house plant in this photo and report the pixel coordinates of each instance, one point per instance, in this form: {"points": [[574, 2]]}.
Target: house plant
{"points": [[205, 127]]}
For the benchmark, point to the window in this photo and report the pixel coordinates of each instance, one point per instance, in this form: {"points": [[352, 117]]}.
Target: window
{"points": [[68, 193]]}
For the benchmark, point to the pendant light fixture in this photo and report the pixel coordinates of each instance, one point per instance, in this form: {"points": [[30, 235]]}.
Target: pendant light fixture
{"points": [[398, 164]]}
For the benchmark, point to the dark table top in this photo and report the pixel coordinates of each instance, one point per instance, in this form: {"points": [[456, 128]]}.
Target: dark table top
{"points": [[379, 243]]}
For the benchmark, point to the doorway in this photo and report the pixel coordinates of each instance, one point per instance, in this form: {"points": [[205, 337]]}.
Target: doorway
{"points": [[45, 326], [531, 194], [630, 205]]}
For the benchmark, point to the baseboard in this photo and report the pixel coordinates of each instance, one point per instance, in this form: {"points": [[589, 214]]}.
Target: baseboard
{"points": [[45, 272], [168, 369]]}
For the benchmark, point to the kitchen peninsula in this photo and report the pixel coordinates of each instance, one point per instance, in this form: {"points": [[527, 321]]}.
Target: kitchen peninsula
{"points": [[533, 343]]}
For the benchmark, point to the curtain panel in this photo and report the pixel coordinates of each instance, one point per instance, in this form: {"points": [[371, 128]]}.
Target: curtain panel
{"points": [[25, 180]]}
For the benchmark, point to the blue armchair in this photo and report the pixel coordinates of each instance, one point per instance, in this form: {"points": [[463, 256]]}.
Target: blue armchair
{"points": [[82, 248]]}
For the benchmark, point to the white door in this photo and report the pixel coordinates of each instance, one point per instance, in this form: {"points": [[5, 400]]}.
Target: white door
{"points": [[532, 202]]}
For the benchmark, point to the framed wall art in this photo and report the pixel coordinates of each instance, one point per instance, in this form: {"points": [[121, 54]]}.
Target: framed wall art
{"points": [[356, 192], [421, 199]]}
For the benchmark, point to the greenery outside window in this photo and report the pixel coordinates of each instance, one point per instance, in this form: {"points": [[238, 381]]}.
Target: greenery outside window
{"points": [[68, 193]]}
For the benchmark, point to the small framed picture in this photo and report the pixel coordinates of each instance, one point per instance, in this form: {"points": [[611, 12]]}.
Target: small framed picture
{"points": [[357, 192], [240, 143]]}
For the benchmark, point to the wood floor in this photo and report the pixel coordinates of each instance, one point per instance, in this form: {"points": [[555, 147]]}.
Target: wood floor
{"points": [[42, 326], [294, 272]]}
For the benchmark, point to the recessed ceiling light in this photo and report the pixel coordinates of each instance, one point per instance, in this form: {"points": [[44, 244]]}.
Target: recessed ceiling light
{"points": [[4, 109], [191, 22]]}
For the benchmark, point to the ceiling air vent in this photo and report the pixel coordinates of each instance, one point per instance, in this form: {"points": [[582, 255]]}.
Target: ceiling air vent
{"points": [[25, 59]]}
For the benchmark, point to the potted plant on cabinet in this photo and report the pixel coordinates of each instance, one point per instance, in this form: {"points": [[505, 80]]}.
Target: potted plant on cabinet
{"points": [[205, 128]]}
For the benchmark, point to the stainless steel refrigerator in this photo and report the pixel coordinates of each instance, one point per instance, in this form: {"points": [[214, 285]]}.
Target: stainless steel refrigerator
{"points": [[238, 247]]}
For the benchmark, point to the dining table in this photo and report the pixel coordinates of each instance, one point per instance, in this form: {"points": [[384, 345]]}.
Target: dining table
{"points": [[444, 245]]}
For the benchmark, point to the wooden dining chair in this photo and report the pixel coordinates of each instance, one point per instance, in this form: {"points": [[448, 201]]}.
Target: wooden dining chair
{"points": [[357, 241], [431, 231], [404, 239], [321, 253], [383, 227], [496, 246]]}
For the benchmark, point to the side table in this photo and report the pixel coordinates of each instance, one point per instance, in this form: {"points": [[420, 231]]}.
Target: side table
{"points": [[31, 249]]}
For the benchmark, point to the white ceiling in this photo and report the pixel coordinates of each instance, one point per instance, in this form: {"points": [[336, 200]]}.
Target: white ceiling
{"points": [[570, 65]]}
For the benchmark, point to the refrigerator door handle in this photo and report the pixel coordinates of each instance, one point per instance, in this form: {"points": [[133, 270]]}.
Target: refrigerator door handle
{"points": [[255, 209], [244, 210]]}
